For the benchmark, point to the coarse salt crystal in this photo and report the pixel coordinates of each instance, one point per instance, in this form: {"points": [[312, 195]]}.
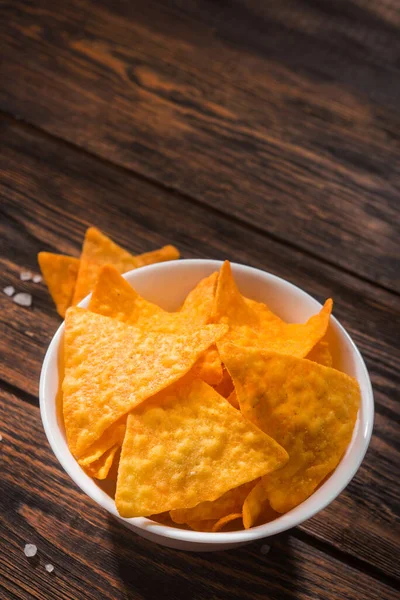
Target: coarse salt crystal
{"points": [[30, 550], [49, 568], [22, 299], [265, 549], [25, 275], [37, 278], [9, 290], [1, 438]]}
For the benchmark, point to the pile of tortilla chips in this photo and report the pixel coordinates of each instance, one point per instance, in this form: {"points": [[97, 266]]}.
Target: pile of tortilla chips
{"points": [[70, 279], [209, 417]]}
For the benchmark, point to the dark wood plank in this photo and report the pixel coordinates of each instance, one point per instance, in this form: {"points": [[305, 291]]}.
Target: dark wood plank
{"points": [[94, 557], [48, 206], [284, 115]]}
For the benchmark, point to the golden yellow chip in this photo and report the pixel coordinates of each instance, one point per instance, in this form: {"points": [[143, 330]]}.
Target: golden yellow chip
{"points": [[100, 468], [113, 436], [321, 354], [60, 273], [204, 526], [225, 386], [256, 507], [230, 502], [200, 301], [111, 367], [233, 399], [99, 250], [223, 521], [307, 408], [209, 367], [252, 324], [188, 445], [114, 297]]}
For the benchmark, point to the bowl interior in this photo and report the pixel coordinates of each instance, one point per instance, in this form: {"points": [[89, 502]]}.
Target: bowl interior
{"points": [[167, 284]]}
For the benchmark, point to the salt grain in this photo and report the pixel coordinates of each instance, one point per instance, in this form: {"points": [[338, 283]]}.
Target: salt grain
{"points": [[1, 438], [30, 550], [37, 278], [265, 549], [23, 299], [9, 290], [49, 568], [25, 275]]}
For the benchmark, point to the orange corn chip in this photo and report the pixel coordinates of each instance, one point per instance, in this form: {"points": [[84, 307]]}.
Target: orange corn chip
{"points": [[253, 324], [233, 399], [209, 367], [256, 508], [204, 526], [308, 408], [99, 250], [188, 445], [113, 436], [225, 386], [223, 521], [230, 306], [111, 367], [100, 468], [60, 273], [200, 300], [321, 354], [114, 297], [230, 502]]}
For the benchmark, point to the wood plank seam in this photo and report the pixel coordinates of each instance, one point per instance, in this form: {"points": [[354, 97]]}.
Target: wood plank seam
{"points": [[205, 206]]}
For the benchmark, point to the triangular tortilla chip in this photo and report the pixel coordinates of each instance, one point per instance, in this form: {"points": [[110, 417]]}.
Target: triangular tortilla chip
{"points": [[111, 367], [113, 436], [114, 297], [223, 521], [256, 508], [200, 301], [100, 468], [230, 502], [254, 324], [60, 273], [321, 354], [99, 250], [307, 408], [188, 445]]}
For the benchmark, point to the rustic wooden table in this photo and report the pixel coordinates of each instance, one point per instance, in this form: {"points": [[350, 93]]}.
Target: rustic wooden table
{"points": [[263, 132]]}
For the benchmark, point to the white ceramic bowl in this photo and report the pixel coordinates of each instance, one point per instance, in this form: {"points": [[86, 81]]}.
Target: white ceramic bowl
{"points": [[167, 284]]}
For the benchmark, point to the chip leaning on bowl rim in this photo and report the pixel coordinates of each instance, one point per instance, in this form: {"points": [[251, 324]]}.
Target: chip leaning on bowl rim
{"points": [[171, 282]]}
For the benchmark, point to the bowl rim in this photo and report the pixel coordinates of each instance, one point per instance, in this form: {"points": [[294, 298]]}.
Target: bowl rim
{"points": [[282, 523]]}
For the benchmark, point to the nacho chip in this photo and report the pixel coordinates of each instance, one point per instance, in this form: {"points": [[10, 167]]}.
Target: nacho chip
{"points": [[230, 502], [321, 354], [113, 436], [100, 468], [204, 526], [230, 306], [223, 521], [225, 386], [188, 445], [252, 324], [256, 508], [60, 273], [209, 367], [233, 399], [99, 250], [111, 367], [200, 300], [307, 408]]}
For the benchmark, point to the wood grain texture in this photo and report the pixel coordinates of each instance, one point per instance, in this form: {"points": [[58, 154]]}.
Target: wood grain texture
{"points": [[49, 193], [283, 115], [95, 557]]}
